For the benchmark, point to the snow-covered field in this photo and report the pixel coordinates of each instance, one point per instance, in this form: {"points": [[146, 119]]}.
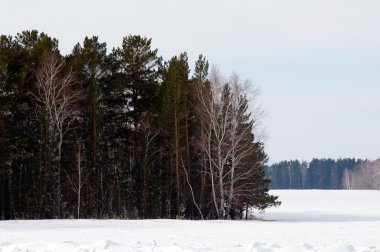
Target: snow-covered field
{"points": [[310, 220]]}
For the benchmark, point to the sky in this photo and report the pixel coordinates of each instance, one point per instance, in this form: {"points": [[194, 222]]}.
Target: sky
{"points": [[317, 62]]}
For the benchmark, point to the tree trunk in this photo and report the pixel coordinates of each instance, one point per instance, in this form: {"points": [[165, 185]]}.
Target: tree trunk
{"points": [[202, 183], [79, 169], [176, 149], [58, 161], [145, 175], [212, 173], [8, 202], [232, 180], [221, 184], [187, 147], [94, 152]]}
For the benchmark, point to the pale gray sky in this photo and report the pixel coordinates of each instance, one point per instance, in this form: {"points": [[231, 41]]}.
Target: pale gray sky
{"points": [[317, 61]]}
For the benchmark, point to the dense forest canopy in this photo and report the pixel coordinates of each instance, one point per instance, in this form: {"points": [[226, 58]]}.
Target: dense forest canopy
{"points": [[347, 173], [123, 134]]}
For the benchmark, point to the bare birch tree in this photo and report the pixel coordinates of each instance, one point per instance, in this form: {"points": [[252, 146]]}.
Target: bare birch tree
{"points": [[207, 110], [240, 174], [346, 180], [366, 175], [227, 139], [149, 133], [78, 180], [57, 100]]}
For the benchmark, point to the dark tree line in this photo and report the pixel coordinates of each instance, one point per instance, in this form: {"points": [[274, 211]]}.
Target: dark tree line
{"points": [[121, 134], [317, 174]]}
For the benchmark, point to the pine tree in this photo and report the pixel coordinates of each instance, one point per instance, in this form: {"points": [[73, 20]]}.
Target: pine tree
{"points": [[90, 63], [22, 55], [175, 111], [136, 68]]}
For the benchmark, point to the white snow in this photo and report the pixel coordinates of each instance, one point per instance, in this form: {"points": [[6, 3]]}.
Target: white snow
{"points": [[307, 220]]}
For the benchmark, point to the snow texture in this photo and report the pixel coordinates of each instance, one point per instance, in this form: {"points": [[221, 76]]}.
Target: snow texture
{"points": [[307, 220]]}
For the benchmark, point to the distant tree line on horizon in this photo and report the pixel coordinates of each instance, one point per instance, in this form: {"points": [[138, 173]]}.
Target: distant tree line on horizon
{"points": [[347, 173], [123, 134]]}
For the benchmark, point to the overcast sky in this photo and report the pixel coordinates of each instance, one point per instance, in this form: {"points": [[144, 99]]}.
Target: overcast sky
{"points": [[317, 61]]}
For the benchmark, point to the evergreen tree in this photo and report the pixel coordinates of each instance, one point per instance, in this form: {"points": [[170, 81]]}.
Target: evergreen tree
{"points": [[174, 115], [22, 56], [199, 164], [137, 70], [90, 62]]}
